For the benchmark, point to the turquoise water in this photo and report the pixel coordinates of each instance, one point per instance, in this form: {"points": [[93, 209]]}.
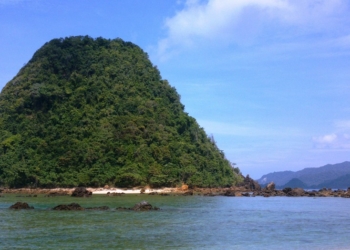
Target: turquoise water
{"points": [[182, 223]]}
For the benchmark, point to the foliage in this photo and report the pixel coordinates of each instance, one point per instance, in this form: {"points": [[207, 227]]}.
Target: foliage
{"points": [[92, 112]]}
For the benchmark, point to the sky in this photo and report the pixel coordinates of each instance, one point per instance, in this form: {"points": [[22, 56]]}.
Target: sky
{"points": [[268, 79]]}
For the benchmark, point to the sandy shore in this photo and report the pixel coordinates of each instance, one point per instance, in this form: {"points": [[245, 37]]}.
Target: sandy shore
{"points": [[130, 191], [93, 190]]}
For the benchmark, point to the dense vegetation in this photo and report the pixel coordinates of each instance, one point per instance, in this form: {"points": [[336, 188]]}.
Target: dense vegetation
{"points": [[92, 112]]}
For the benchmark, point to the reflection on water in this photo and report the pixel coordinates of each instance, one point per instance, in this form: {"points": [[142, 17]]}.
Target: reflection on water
{"points": [[183, 223]]}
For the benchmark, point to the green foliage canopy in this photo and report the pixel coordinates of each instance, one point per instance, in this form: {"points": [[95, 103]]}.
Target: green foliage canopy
{"points": [[92, 112]]}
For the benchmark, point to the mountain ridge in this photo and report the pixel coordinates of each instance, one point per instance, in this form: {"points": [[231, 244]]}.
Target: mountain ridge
{"points": [[311, 177]]}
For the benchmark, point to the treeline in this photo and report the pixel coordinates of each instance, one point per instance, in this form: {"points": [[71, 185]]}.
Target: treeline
{"points": [[90, 112]]}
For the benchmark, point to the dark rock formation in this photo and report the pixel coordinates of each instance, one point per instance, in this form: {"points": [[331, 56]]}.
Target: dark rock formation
{"points": [[229, 192], [297, 192], [115, 194], [188, 193], [81, 192], [72, 206], [270, 187], [57, 193], [152, 193], [249, 184], [21, 205], [144, 206], [98, 208]]}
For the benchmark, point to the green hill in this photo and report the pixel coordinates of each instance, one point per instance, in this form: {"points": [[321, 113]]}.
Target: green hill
{"points": [[92, 112]]}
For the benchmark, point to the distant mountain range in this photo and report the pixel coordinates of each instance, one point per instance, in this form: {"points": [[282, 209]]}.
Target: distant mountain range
{"points": [[329, 176]]}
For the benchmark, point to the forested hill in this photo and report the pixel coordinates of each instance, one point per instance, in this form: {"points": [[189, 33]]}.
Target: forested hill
{"points": [[92, 112]]}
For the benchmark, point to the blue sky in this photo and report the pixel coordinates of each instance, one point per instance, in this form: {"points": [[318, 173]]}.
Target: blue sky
{"points": [[269, 79]]}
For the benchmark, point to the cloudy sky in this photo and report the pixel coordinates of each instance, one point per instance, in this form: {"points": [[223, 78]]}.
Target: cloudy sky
{"points": [[269, 79]]}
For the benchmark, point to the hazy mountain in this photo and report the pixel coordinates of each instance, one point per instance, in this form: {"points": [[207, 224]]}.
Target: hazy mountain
{"points": [[329, 175]]}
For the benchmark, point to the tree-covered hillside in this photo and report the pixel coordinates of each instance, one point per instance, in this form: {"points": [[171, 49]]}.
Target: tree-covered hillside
{"points": [[92, 112]]}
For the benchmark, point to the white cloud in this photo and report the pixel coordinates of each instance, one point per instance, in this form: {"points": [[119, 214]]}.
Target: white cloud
{"points": [[340, 139], [240, 21], [326, 139]]}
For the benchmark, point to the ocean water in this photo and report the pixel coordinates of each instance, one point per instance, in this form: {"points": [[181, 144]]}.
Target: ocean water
{"points": [[182, 223]]}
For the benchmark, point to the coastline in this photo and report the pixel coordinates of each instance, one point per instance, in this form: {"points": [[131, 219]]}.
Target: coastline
{"points": [[268, 191], [93, 190]]}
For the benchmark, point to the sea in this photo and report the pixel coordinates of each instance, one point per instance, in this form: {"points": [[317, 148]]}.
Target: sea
{"points": [[184, 222]]}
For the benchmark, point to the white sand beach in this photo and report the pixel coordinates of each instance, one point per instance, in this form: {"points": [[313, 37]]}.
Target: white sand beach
{"points": [[130, 191]]}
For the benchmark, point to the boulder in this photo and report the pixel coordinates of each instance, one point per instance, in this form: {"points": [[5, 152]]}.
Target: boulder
{"points": [[98, 208], [249, 184], [295, 192], [270, 187], [72, 206], [21, 205], [190, 192], [152, 193], [81, 192], [144, 206], [287, 190], [57, 193], [229, 192]]}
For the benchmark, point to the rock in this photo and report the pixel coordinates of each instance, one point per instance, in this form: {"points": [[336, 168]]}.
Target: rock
{"points": [[81, 192], [287, 190], [144, 206], [115, 194], [246, 194], [57, 193], [271, 186], [72, 206], [229, 192], [188, 193], [184, 187], [98, 208], [152, 193], [21, 205], [142, 191], [295, 192], [249, 184]]}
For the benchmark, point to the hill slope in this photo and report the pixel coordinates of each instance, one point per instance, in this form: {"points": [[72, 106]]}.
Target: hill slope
{"points": [[89, 111], [310, 177]]}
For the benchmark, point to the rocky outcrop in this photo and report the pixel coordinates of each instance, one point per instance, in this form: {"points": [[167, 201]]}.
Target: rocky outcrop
{"points": [[57, 193], [144, 206], [270, 187], [81, 192], [21, 205], [72, 206], [98, 208], [115, 194], [249, 184], [188, 193], [229, 192], [141, 206]]}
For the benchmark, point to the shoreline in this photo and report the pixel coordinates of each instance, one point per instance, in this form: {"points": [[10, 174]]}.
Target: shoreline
{"points": [[93, 190], [184, 190]]}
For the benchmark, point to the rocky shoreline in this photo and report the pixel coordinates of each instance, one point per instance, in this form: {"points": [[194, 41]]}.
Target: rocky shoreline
{"points": [[247, 188]]}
